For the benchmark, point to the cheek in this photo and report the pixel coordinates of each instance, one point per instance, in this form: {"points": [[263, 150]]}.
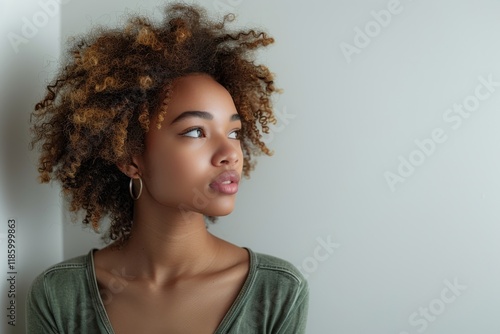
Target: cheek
{"points": [[176, 177]]}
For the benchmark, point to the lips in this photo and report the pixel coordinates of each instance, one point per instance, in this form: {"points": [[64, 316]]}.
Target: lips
{"points": [[226, 182]]}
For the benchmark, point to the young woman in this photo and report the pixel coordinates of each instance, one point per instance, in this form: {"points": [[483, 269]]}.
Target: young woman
{"points": [[154, 125]]}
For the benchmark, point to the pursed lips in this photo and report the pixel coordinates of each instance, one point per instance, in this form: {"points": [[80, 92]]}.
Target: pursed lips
{"points": [[226, 182]]}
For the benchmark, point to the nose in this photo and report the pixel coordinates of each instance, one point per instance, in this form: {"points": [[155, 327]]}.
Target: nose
{"points": [[228, 152]]}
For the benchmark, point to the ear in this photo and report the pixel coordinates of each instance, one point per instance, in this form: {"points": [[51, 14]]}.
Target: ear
{"points": [[130, 168]]}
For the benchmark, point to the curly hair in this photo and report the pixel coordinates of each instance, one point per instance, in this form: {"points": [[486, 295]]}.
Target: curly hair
{"points": [[115, 83]]}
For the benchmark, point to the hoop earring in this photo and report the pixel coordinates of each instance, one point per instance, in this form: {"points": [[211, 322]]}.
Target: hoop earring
{"points": [[131, 186]]}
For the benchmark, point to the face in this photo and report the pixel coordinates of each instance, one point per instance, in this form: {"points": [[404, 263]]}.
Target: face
{"points": [[195, 160]]}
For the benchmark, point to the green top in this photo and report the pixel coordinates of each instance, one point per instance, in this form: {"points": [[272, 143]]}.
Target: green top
{"points": [[65, 299]]}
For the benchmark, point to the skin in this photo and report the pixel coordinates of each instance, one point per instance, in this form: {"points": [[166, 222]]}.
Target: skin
{"points": [[173, 276]]}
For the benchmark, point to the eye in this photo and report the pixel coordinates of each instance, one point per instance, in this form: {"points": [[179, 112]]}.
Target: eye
{"points": [[236, 134], [194, 133]]}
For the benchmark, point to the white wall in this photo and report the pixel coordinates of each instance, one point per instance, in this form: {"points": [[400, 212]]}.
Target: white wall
{"points": [[29, 46], [346, 121]]}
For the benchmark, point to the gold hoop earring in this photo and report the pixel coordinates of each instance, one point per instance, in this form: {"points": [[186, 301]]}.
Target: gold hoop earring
{"points": [[131, 186]]}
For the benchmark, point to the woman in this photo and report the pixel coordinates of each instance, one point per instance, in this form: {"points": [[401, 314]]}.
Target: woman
{"points": [[153, 126]]}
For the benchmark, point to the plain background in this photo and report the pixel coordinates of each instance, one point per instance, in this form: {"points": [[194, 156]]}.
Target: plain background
{"points": [[346, 120]]}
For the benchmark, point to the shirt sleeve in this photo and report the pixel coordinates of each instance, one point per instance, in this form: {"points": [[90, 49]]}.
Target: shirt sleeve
{"points": [[296, 321], [39, 318]]}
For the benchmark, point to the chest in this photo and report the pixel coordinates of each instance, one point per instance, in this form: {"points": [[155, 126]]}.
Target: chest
{"points": [[196, 307]]}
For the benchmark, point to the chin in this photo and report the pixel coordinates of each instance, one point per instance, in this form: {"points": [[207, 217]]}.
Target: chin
{"points": [[217, 213], [219, 208]]}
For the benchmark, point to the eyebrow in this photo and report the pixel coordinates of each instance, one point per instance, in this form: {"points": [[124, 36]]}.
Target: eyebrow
{"points": [[203, 115]]}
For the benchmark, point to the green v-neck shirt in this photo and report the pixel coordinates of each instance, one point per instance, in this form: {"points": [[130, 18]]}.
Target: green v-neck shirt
{"points": [[65, 299]]}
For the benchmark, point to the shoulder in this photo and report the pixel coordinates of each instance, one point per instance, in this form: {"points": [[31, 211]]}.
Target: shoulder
{"points": [[61, 277], [76, 262], [275, 298], [273, 266], [72, 265], [277, 280], [61, 299]]}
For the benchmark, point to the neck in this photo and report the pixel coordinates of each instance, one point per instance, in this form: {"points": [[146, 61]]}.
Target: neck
{"points": [[168, 245]]}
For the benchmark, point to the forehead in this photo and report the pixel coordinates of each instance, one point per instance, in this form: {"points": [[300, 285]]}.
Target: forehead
{"points": [[199, 92]]}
